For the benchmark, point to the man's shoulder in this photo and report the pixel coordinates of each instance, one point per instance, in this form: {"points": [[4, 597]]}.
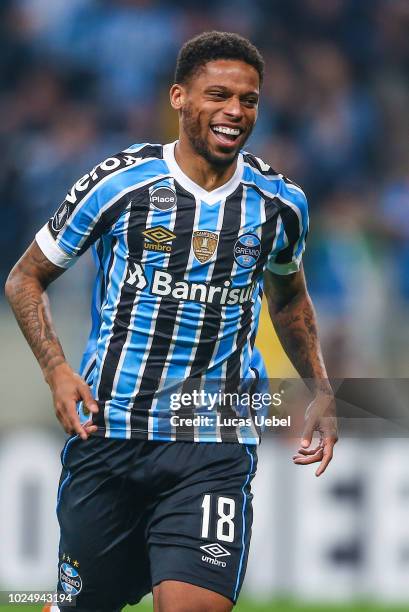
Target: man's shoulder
{"points": [[123, 170], [270, 181], [132, 157], [136, 163], [145, 150], [136, 157]]}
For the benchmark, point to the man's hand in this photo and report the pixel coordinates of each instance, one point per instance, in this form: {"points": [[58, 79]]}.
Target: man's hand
{"points": [[68, 388], [293, 316], [26, 292], [320, 416]]}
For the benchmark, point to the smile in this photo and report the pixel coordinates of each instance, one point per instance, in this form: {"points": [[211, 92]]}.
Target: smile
{"points": [[226, 135]]}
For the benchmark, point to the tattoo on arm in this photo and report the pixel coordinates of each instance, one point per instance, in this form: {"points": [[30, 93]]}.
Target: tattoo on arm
{"points": [[296, 328], [25, 290], [298, 335]]}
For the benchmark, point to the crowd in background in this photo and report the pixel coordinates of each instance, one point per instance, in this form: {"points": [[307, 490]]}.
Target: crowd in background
{"points": [[81, 80]]}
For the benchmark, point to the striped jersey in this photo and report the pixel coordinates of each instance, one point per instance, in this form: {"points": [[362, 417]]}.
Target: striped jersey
{"points": [[178, 292]]}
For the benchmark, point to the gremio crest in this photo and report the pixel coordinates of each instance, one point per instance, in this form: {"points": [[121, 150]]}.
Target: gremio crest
{"points": [[204, 244]]}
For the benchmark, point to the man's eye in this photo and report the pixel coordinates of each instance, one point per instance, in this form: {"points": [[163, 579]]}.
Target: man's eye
{"points": [[250, 102], [217, 94]]}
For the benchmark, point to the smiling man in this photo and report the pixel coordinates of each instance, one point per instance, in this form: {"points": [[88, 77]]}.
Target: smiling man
{"points": [[184, 235]]}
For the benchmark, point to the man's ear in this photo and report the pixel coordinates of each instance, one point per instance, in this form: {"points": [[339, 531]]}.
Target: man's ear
{"points": [[177, 96]]}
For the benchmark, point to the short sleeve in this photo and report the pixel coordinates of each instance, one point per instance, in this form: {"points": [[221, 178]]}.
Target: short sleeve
{"points": [[291, 231], [85, 212]]}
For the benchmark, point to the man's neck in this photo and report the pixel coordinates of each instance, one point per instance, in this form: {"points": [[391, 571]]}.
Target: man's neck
{"points": [[199, 170]]}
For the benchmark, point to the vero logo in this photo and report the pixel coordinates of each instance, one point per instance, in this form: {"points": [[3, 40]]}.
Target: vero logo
{"points": [[216, 550]]}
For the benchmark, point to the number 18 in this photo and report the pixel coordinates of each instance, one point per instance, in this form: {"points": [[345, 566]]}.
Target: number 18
{"points": [[225, 524]]}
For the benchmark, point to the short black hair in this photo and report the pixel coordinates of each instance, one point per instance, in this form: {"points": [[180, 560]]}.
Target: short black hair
{"points": [[210, 46]]}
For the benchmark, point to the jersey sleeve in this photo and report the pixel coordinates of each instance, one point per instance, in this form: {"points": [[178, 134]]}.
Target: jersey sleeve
{"points": [[86, 212], [291, 230]]}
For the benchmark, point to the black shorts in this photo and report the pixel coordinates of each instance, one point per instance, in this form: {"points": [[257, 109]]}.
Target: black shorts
{"points": [[133, 513]]}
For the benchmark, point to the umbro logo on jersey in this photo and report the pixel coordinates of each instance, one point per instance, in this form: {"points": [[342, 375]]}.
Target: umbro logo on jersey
{"points": [[158, 238], [204, 244], [162, 198]]}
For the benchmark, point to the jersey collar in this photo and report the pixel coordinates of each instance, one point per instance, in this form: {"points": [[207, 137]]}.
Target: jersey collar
{"points": [[211, 197]]}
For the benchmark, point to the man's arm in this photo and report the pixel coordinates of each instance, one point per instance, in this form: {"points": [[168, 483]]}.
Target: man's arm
{"points": [[293, 316], [26, 292]]}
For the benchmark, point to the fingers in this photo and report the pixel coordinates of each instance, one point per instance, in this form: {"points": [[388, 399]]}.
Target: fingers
{"points": [[308, 433], [78, 428], [306, 460], [89, 427], [88, 400], [75, 422], [69, 419], [309, 451], [67, 391], [327, 455], [322, 453], [320, 416]]}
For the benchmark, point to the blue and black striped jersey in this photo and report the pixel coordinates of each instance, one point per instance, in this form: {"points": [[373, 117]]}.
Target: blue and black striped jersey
{"points": [[179, 286]]}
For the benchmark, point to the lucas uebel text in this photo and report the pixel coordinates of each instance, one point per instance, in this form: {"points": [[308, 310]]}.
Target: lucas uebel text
{"points": [[218, 420]]}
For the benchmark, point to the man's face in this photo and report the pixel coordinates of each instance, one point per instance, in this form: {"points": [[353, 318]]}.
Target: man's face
{"points": [[218, 109]]}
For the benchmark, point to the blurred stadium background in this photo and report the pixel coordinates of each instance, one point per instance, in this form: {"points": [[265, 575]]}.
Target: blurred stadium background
{"points": [[83, 79]]}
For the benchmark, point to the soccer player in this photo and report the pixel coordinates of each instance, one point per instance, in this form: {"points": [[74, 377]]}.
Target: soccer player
{"points": [[183, 235]]}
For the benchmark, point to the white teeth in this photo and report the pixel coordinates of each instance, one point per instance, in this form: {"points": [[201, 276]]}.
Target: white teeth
{"points": [[226, 130]]}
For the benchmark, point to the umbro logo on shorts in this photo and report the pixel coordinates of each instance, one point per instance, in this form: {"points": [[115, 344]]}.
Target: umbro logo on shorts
{"points": [[216, 551]]}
